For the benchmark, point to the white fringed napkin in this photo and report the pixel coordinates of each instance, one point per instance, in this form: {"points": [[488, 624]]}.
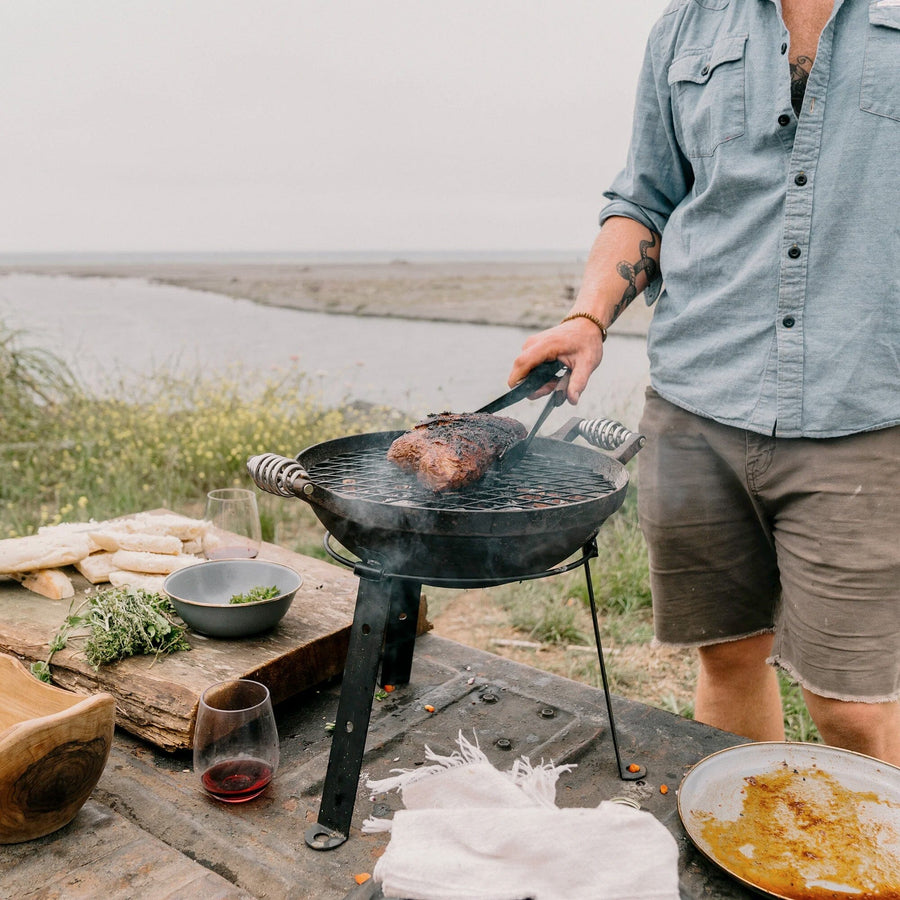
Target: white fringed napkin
{"points": [[471, 832]]}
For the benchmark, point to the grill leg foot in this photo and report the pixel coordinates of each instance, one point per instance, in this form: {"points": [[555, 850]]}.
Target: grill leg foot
{"points": [[348, 743], [318, 837]]}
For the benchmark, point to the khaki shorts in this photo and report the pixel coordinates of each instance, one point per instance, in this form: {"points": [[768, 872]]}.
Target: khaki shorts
{"points": [[801, 537]]}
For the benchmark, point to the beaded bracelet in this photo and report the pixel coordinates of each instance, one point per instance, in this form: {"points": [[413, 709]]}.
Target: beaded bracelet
{"points": [[591, 318]]}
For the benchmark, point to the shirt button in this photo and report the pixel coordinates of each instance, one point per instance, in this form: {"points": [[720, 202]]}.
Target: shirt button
{"points": [[783, 49], [794, 252], [784, 119], [704, 70], [788, 321], [800, 179]]}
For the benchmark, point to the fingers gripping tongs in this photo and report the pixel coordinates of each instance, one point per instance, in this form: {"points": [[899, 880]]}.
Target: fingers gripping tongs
{"points": [[535, 379]]}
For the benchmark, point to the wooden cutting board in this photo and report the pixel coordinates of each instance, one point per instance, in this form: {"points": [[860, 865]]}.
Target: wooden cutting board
{"points": [[156, 699]]}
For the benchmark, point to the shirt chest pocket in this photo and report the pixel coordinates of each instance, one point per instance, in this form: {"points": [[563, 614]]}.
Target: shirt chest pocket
{"points": [[707, 88], [880, 89]]}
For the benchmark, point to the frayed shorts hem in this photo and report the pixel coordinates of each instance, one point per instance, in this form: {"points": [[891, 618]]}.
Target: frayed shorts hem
{"points": [[793, 674], [706, 642]]}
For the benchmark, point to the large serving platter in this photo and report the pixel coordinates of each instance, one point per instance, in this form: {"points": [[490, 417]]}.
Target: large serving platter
{"points": [[795, 820]]}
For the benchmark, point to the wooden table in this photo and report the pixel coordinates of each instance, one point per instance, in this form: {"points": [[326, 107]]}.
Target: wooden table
{"points": [[156, 699], [150, 832]]}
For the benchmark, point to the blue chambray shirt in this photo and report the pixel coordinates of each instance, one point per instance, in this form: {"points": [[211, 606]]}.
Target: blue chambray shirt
{"points": [[778, 310]]}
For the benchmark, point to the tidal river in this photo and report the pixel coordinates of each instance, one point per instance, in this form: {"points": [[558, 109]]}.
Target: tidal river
{"points": [[115, 331]]}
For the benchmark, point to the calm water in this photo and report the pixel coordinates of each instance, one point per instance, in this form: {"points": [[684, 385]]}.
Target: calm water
{"points": [[112, 330]]}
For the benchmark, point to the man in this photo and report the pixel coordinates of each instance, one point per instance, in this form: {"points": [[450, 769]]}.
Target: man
{"points": [[759, 205]]}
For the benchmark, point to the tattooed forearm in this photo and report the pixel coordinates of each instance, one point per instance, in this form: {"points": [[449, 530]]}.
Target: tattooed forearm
{"points": [[630, 273], [800, 68]]}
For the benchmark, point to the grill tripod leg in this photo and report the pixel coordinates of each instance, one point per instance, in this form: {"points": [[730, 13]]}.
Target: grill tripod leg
{"points": [[348, 743], [400, 634], [624, 773]]}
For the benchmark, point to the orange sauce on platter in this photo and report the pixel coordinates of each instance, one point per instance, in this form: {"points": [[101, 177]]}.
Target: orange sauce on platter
{"points": [[802, 835]]}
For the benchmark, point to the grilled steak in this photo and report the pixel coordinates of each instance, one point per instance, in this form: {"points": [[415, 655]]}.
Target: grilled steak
{"points": [[452, 450]]}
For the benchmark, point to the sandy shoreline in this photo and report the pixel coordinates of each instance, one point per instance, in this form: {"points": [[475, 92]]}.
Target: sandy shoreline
{"points": [[522, 294]]}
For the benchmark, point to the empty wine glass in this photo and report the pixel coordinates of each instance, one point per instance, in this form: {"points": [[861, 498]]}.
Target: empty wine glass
{"points": [[235, 740], [234, 530]]}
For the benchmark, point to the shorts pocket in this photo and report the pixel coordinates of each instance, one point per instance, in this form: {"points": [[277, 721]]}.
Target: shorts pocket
{"points": [[880, 89], [707, 87]]}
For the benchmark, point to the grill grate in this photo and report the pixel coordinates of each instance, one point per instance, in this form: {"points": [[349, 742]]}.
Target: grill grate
{"points": [[537, 482]]}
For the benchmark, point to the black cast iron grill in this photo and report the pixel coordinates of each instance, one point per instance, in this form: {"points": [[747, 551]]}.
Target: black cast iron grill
{"points": [[537, 482], [522, 520], [511, 526]]}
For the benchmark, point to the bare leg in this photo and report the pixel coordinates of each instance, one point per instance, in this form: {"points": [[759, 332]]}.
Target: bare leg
{"points": [[738, 691], [870, 728]]}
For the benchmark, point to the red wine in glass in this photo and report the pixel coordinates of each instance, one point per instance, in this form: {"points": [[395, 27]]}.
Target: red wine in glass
{"points": [[237, 780], [233, 530], [235, 740]]}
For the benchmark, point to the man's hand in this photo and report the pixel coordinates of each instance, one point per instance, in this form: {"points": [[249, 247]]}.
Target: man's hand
{"points": [[577, 344]]}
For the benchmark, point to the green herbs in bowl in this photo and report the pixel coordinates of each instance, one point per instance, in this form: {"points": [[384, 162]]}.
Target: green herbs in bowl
{"points": [[204, 596], [254, 595]]}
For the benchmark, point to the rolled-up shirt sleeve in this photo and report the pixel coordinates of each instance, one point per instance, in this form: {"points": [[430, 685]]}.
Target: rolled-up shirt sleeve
{"points": [[656, 176]]}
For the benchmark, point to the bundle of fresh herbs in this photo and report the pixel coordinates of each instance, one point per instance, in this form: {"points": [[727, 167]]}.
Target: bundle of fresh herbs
{"points": [[117, 623]]}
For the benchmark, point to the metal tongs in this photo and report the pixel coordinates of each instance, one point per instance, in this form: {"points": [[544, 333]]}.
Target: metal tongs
{"points": [[536, 378]]}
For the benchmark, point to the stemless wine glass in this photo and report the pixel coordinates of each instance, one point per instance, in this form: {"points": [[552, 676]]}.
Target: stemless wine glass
{"points": [[234, 530], [235, 740]]}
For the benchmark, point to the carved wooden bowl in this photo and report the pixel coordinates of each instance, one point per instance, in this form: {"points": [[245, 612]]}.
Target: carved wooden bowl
{"points": [[53, 747]]}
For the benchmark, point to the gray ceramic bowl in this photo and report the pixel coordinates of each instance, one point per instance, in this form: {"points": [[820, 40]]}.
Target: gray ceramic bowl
{"points": [[201, 595]]}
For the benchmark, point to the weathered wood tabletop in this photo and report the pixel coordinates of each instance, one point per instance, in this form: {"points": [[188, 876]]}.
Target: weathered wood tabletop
{"points": [[149, 831], [156, 699]]}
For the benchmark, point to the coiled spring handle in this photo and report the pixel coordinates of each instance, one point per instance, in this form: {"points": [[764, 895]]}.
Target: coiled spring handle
{"points": [[278, 475], [605, 434]]}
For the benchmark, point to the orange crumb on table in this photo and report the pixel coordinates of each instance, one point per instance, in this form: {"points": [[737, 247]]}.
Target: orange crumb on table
{"points": [[634, 767], [388, 688], [362, 878], [664, 789], [429, 708]]}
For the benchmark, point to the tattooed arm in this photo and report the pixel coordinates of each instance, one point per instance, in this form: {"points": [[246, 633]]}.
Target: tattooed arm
{"points": [[622, 262], [800, 69]]}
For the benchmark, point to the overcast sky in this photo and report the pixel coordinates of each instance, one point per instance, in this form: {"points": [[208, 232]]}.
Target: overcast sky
{"points": [[294, 125]]}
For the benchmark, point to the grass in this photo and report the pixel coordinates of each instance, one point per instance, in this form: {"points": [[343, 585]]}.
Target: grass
{"points": [[67, 454], [70, 455]]}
